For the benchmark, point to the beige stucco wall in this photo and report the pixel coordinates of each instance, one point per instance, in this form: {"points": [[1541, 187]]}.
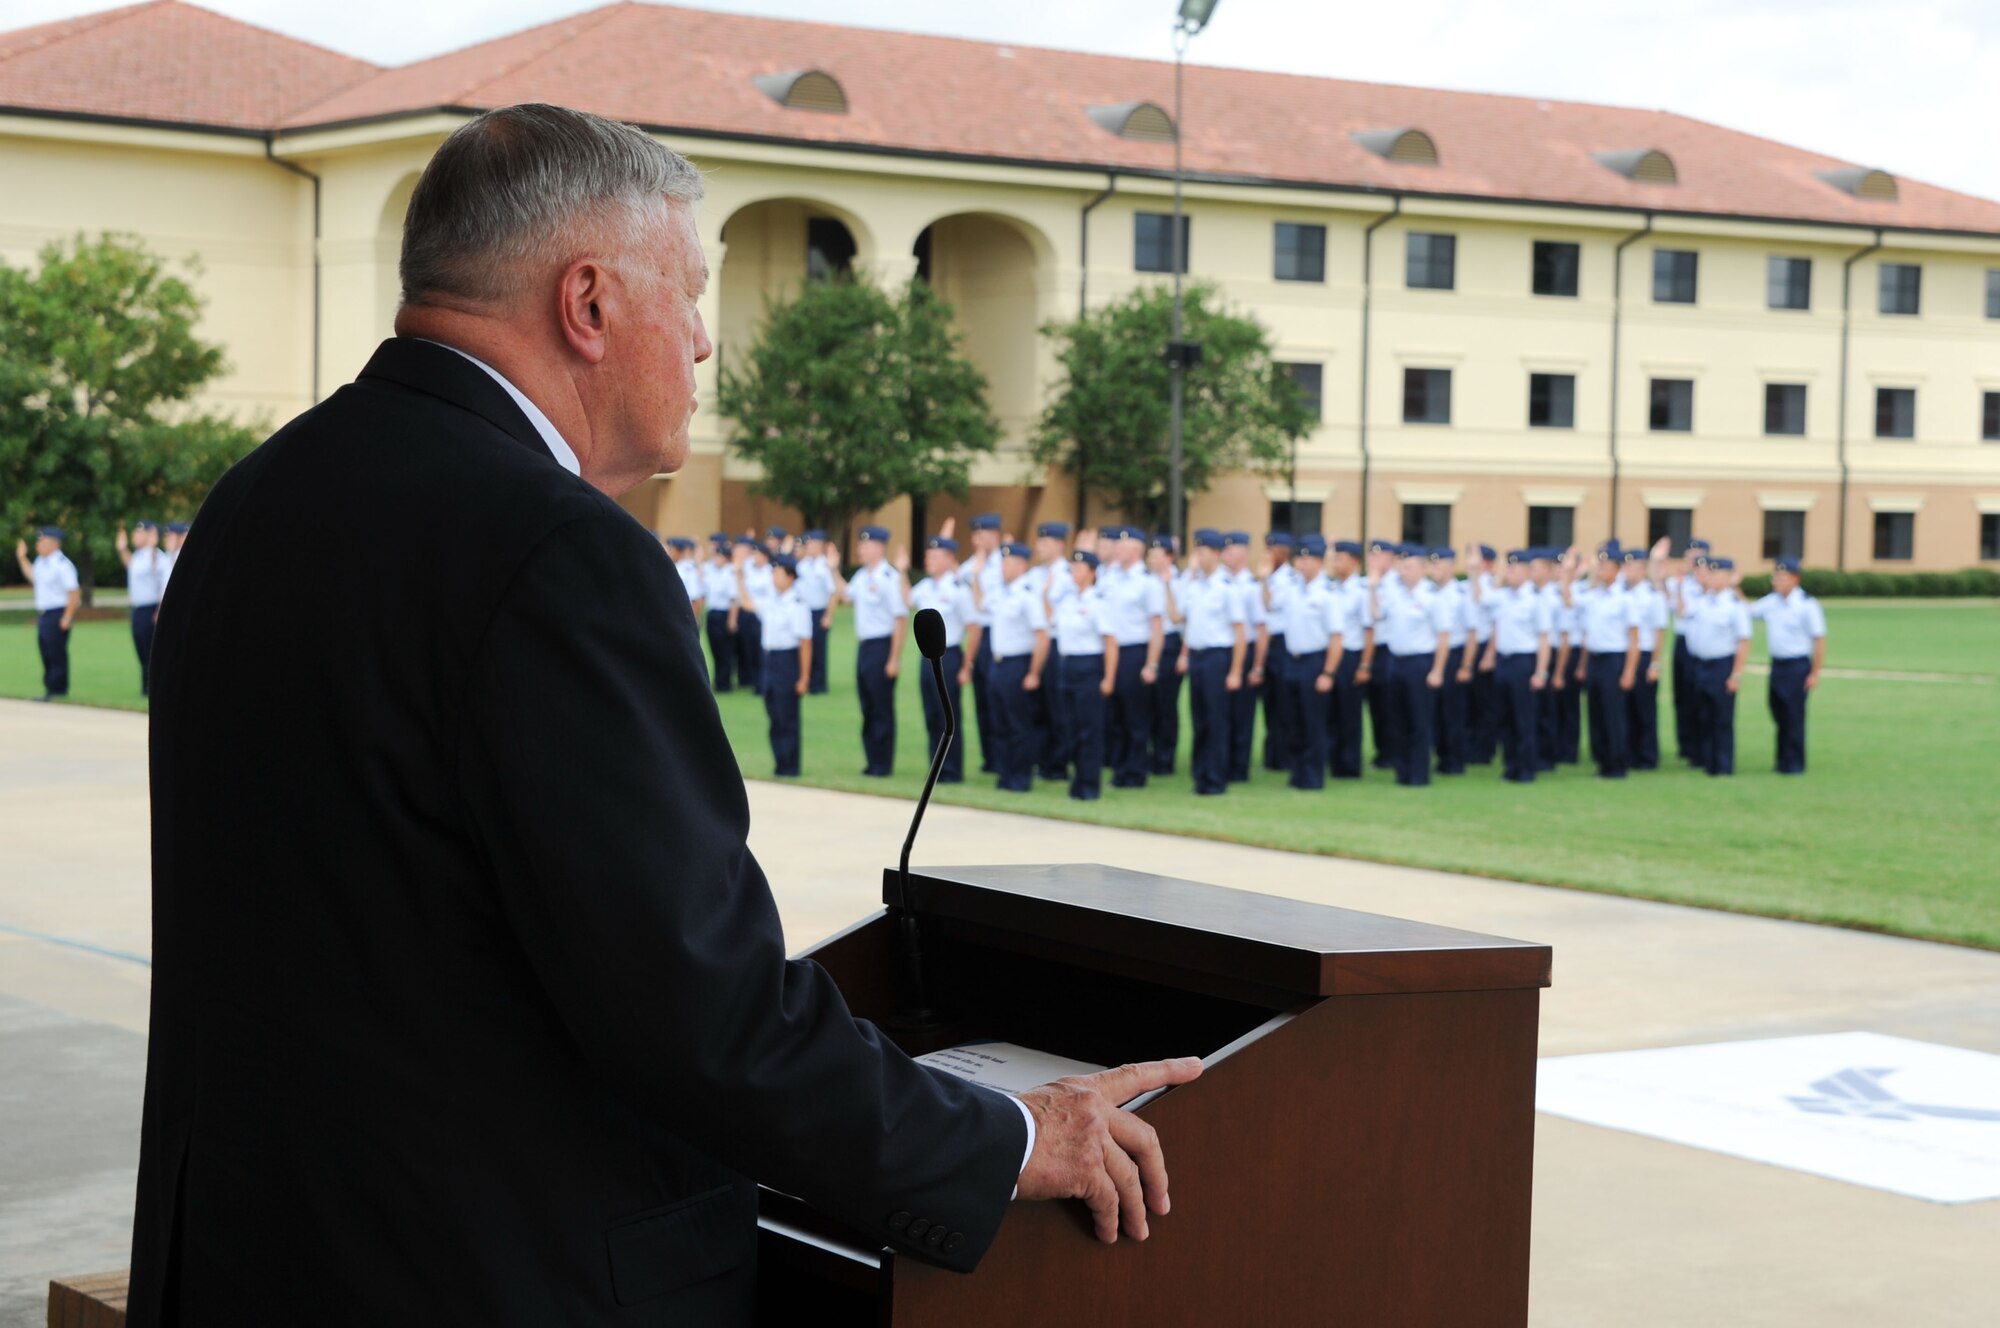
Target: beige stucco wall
{"points": [[1008, 252]]}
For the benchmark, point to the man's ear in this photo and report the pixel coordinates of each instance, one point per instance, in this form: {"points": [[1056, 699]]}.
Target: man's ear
{"points": [[581, 308]]}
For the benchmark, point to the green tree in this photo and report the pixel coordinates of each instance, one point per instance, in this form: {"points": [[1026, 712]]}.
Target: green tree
{"points": [[98, 363], [1109, 420], [851, 399]]}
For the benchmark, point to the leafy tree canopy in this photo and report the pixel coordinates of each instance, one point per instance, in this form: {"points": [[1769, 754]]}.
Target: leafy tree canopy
{"points": [[853, 398], [1108, 422], [98, 362]]}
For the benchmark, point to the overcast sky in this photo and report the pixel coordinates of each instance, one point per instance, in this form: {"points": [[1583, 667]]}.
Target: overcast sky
{"points": [[1906, 85]]}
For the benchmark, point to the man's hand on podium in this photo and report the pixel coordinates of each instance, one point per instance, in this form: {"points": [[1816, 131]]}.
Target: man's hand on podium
{"points": [[1087, 1148]]}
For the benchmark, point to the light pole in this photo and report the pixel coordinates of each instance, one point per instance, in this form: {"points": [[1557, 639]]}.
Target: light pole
{"points": [[1181, 354]]}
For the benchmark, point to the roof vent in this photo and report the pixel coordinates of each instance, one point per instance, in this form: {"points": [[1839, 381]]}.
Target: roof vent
{"points": [[1140, 120], [1646, 165], [1411, 147], [803, 90], [1862, 182]]}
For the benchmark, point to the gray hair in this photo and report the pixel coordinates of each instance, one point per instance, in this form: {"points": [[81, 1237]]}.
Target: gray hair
{"points": [[529, 185]]}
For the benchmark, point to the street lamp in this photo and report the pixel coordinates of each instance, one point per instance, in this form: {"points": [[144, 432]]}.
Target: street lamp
{"points": [[1181, 355]]}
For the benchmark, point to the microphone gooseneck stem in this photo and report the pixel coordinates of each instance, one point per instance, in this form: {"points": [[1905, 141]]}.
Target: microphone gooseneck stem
{"points": [[917, 1007]]}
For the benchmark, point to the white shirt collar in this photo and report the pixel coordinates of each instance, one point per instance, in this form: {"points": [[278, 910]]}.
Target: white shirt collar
{"points": [[565, 456]]}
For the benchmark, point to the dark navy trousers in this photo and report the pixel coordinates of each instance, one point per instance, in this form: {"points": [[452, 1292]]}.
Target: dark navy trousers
{"points": [[1642, 705], [1610, 744], [878, 706], [1388, 748], [1014, 720], [1482, 710], [1130, 720], [750, 651], [1343, 718], [1307, 708], [722, 649], [1569, 714], [1683, 684], [816, 685], [781, 707], [1209, 713], [54, 643], [1788, 712], [1083, 706], [1165, 700], [1051, 734], [1413, 707], [953, 659], [1519, 715], [1453, 735], [1715, 715], [1243, 720], [982, 705], [1277, 706], [142, 642]]}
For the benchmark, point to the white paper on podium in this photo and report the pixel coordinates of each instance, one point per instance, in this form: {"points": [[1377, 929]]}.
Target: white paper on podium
{"points": [[1004, 1066]]}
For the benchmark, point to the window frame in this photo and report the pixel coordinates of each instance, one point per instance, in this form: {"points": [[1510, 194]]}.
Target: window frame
{"points": [[1914, 290], [1777, 548], [1550, 398], [1802, 397], [1166, 267], [1548, 535], [1993, 292], [1430, 260], [1670, 280], [1653, 412], [1791, 284], [1677, 532], [1575, 269], [1885, 397], [1887, 525], [1425, 532], [1989, 537], [1281, 519], [1410, 373], [1316, 400], [1299, 230], [1989, 417]]}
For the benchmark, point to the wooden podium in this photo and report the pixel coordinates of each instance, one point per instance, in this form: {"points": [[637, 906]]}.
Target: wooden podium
{"points": [[1358, 1150]]}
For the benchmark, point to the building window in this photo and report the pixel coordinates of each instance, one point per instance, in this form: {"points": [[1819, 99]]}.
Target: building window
{"points": [[1299, 252], [1310, 516], [1989, 417], [1790, 283], [1556, 267], [1785, 408], [1672, 405], [1674, 276], [1902, 288], [1784, 535], [1432, 262], [1153, 241], [1552, 401], [1428, 524], [1307, 378], [1989, 536], [1674, 524], [1895, 532], [1551, 527], [1427, 396], [1895, 412], [829, 249], [1993, 292]]}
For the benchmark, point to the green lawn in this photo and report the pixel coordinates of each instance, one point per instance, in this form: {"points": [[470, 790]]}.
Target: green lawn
{"points": [[1896, 828]]}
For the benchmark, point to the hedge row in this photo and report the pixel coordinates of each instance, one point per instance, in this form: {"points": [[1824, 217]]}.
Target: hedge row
{"points": [[1826, 584]]}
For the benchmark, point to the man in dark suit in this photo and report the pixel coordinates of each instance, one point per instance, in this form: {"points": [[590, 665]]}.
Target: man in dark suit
{"points": [[469, 1000]]}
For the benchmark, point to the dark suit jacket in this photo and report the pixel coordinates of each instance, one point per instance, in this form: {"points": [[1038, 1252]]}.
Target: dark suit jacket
{"points": [[469, 1002]]}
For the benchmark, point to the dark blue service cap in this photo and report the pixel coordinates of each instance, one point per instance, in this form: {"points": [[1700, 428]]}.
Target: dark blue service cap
{"points": [[1052, 530], [1384, 546], [880, 534], [1312, 546], [1110, 532], [1486, 552], [945, 542], [1610, 551], [177, 527], [786, 561], [1164, 541], [1352, 548], [1723, 564], [143, 524], [814, 534], [1787, 564], [1541, 553], [1206, 538], [1444, 554], [1015, 549], [1132, 533], [1086, 557], [1279, 539], [748, 541], [986, 521], [1635, 554], [1515, 557], [718, 538], [1699, 546], [49, 532], [679, 542], [1241, 537], [776, 533]]}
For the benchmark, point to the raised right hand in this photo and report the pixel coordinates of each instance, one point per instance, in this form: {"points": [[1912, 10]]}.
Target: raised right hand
{"points": [[1087, 1148]]}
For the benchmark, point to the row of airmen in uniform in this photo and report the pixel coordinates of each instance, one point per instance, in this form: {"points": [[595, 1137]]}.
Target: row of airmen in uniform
{"points": [[1077, 657], [148, 554]]}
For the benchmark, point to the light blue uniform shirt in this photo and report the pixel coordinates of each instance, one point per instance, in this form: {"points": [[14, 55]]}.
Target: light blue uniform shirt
{"points": [[1407, 626], [952, 598], [1052, 580], [718, 581], [1132, 598], [990, 581], [787, 621], [1479, 609], [1521, 617], [1080, 623], [1791, 623], [1451, 610], [815, 583], [1213, 610], [1175, 614], [1306, 613], [878, 601], [762, 585], [1605, 618], [1562, 618], [1251, 592], [55, 577], [1017, 616], [1351, 613], [1282, 582], [1649, 608], [1714, 625], [146, 578]]}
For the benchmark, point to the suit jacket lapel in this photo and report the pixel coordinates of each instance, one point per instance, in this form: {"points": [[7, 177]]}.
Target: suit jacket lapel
{"points": [[425, 366]]}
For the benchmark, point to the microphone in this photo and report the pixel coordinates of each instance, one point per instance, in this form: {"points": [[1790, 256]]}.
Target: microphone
{"points": [[917, 1014]]}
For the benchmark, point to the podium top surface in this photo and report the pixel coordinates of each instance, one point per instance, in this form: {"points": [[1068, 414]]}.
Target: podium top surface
{"points": [[1310, 949]]}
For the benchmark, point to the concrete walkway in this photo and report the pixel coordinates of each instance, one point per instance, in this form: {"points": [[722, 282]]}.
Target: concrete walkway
{"points": [[1628, 1230]]}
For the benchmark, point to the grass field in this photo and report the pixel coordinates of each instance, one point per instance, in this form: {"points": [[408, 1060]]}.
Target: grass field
{"points": [[1896, 828]]}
